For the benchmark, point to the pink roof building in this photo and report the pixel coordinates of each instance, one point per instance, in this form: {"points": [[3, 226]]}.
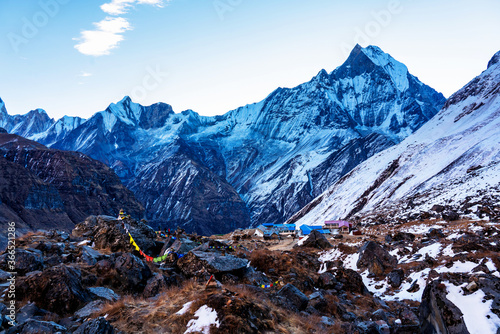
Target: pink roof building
{"points": [[339, 223]]}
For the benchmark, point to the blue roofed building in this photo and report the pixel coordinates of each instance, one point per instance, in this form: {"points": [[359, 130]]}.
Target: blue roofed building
{"points": [[307, 229], [275, 230]]}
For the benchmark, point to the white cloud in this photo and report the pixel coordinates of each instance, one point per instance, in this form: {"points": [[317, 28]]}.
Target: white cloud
{"points": [[84, 74], [109, 32], [118, 7], [106, 37]]}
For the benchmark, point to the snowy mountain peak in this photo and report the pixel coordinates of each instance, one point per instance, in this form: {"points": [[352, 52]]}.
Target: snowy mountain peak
{"points": [[397, 71], [452, 161], [369, 59], [2, 107], [38, 111], [494, 60], [322, 76], [125, 110]]}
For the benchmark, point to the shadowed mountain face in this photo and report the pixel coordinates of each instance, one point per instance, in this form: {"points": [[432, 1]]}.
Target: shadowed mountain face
{"points": [[259, 163], [42, 188]]}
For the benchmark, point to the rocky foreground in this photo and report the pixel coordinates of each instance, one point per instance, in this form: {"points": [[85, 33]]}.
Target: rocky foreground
{"points": [[421, 277]]}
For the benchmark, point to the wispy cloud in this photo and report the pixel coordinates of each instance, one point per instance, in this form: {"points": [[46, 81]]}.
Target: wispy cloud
{"points": [[108, 33], [119, 7], [104, 38], [84, 74]]}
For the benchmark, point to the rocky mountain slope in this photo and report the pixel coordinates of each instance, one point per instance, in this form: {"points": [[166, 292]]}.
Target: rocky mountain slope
{"points": [[450, 165], [262, 162], [42, 188], [419, 277]]}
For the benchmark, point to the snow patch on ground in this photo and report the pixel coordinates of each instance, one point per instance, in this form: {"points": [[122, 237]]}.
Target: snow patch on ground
{"points": [[184, 308], [84, 242], [476, 310], [301, 241], [458, 267], [420, 229], [448, 251], [431, 250], [206, 317]]}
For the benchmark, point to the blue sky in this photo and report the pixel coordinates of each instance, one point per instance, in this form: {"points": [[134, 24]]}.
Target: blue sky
{"points": [[74, 57]]}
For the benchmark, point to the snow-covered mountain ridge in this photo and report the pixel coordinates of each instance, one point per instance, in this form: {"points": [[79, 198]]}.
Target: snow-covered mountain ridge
{"points": [[271, 158], [452, 161]]}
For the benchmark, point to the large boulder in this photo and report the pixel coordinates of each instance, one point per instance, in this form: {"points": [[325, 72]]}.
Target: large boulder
{"points": [[316, 240], [182, 245], [155, 285], [108, 233], [395, 278], [90, 256], [104, 293], [294, 296], [403, 237], [36, 326], [450, 216], [31, 311], [375, 258], [437, 314], [96, 326], [351, 281], [26, 261], [91, 308], [57, 289], [132, 273], [195, 263]]}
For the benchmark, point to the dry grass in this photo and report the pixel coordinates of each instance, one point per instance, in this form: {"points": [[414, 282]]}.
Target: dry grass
{"points": [[138, 315], [236, 306]]}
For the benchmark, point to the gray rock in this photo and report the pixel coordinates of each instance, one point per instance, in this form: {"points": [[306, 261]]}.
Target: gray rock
{"points": [[316, 240], [155, 285], [375, 258], [437, 314], [327, 321], [318, 301], [379, 315], [36, 326], [450, 216], [132, 272], [96, 326], [349, 316], [27, 312], [26, 261], [89, 309], [4, 276], [213, 263], [91, 256], [395, 278], [294, 296], [183, 245], [367, 327], [256, 277], [104, 293], [57, 289]]}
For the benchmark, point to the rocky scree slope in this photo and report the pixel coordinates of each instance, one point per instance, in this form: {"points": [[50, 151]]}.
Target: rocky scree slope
{"points": [[43, 188], [432, 276]]}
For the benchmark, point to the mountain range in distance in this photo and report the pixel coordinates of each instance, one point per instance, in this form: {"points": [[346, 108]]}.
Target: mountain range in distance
{"points": [[265, 162]]}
